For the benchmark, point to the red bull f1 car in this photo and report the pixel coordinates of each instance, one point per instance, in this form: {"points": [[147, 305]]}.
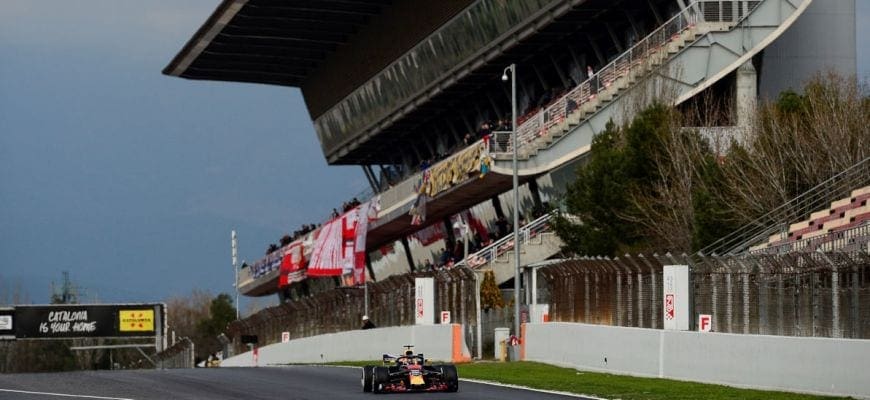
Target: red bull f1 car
{"points": [[409, 373]]}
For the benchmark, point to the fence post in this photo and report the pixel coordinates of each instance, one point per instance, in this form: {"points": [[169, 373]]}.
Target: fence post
{"points": [[835, 297], [854, 309], [761, 279], [618, 297], [744, 276], [586, 300], [729, 304]]}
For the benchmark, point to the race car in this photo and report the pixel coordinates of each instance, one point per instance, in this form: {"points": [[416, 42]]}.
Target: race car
{"points": [[409, 373]]}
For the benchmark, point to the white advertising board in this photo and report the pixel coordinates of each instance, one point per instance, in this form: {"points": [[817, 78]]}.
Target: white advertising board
{"points": [[676, 297], [424, 301], [5, 322]]}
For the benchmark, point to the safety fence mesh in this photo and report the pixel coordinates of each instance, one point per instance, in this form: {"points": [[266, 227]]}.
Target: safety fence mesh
{"points": [[797, 294], [391, 303]]}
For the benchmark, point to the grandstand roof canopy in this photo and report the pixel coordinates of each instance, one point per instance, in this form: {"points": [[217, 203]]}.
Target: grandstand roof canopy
{"points": [[278, 42]]}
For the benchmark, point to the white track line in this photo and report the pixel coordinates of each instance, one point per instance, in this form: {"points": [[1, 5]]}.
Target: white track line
{"points": [[491, 383], [63, 395], [585, 396]]}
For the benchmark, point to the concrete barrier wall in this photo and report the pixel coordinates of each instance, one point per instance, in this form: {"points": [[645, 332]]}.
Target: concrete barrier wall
{"points": [[813, 365], [436, 342]]}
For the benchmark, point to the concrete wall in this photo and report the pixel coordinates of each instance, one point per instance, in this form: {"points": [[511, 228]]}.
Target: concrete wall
{"points": [[814, 365], [822, 39], [436, 342]]}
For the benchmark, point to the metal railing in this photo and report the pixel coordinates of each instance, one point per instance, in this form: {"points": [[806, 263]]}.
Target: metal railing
{"points": [[650, 51], [852, 239], [777, 220], [506, 244]]}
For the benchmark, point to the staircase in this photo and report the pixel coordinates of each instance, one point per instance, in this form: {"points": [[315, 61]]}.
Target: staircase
{"points": [[687, 54], [538, 242]]}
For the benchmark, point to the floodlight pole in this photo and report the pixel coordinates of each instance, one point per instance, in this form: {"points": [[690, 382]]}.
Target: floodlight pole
{"points": [[513, 77], [235, 254]]}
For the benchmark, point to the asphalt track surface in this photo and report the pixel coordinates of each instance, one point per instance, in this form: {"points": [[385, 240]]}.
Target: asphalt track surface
{"points": [[269, 383]]}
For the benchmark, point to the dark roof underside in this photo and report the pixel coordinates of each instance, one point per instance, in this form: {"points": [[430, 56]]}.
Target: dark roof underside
{"points": [[277, 42]]}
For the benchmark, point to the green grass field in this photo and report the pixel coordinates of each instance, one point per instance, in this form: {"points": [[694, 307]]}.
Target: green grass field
{"points": [[543, 376]]}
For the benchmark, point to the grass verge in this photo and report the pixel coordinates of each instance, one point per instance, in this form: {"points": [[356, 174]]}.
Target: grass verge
{"points": [[549, 377]]}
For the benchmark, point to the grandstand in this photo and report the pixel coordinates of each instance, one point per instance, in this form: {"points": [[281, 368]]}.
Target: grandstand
{"points": [[411, 92]]}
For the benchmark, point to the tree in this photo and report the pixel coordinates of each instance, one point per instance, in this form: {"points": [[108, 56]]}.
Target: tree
{"points": [[621, 166], [655, 186], [490, 295]]}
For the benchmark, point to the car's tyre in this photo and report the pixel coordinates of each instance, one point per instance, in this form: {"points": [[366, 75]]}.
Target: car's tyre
{"points": [[380, 376], [451, 377], [367, 378]]}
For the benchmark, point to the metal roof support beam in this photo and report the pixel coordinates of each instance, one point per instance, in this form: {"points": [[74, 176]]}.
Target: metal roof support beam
{"points": [[468, 125], [580, 61], [601, 60], [566, 83], [541, 79], [417, 152], [367, 169], [407, 248], [635, 29], [613, 37], [480, 114], [494, 105], [658, 17], [455, 133], [428, 142]]}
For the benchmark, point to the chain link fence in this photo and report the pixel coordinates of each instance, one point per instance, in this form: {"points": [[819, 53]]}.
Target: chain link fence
{"points": [[179, 355], [391, 303], [797, 294]]}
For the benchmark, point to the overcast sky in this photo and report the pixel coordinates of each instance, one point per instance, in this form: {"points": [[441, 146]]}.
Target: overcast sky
{"points": [[131, 180]]}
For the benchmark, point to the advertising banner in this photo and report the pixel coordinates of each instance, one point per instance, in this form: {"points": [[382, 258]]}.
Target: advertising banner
{"points": [[81, 321], [7, 323], [340, 245], [136, 320], [367, 212], [424, 301], [292, 265], [675, 284], [328, 257]]}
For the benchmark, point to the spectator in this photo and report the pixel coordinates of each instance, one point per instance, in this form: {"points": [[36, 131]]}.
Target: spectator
{"points": [[272, 248], [502, 225], [593, 83], [444, 256], [367, 323], [459, 250], [485, 130]]}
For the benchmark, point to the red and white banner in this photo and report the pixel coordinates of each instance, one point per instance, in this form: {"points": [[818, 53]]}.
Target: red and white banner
{"points": [[292, 264], [339, 246], [331, 255], [367, 212]]}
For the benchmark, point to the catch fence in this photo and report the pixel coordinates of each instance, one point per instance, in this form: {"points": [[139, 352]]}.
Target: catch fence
{"points": [[179, 355], [391, 303], [797, 294]]}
